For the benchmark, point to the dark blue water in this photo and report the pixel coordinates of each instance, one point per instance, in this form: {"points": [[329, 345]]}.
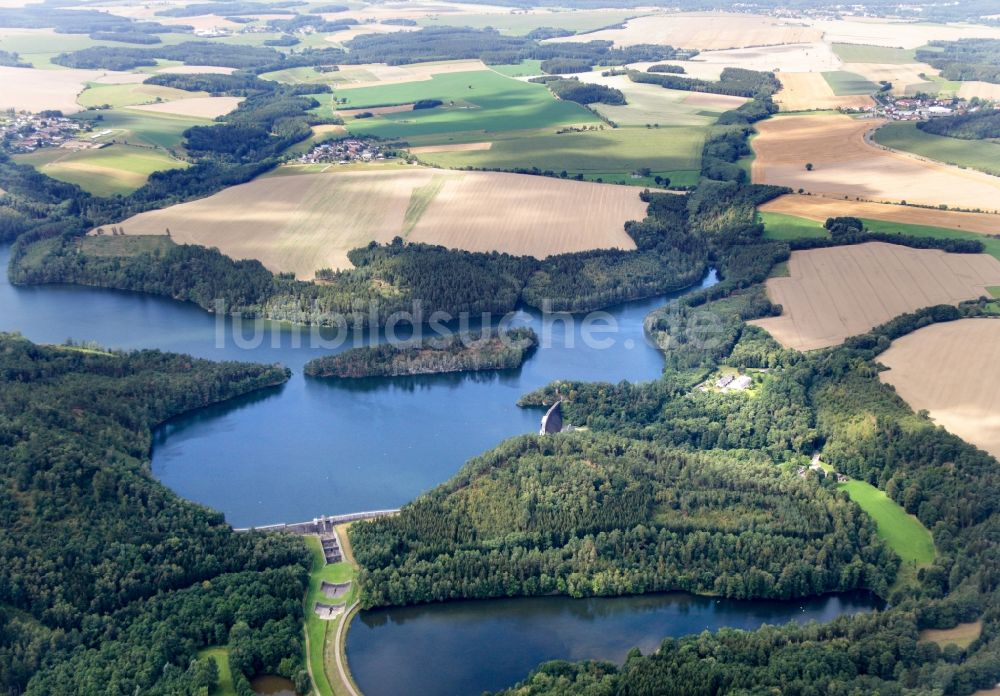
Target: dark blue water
{"points": [[467, 647], [314, 446]]}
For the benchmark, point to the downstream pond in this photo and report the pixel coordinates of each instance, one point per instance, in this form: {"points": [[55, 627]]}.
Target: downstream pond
{"points": [[315, 447]]}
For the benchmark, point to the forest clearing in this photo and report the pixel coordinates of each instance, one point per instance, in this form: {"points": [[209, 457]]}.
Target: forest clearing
{"points": [[834, 293]]}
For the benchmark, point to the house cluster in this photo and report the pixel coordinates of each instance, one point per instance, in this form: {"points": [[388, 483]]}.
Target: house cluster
{"points": [[816, 467], [733, 382], [344, 152], [924, 108], [27, 132]]}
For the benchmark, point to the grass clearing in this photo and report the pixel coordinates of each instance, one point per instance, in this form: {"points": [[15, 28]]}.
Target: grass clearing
{"points": [[783, 227], [225, 686], [116, 169], [962, 636], [983, 155], [141, 127], [845, 83], [862, 53], [124, 245], [904, 533], [844, 291]]}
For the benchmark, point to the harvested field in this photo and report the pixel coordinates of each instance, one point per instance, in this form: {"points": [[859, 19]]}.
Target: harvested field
{"points": [[456, 147], [800, 57], [197, 70], [805, 91], [951, 370], [305, 222], [36, 90], [819, 209], [898, 33], [846, 165], [198, 107], [704, 31], [838, 292], [983, 90]]}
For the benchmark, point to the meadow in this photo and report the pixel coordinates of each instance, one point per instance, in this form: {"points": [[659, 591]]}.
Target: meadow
{"points": [[903, 532], [120, 95], [983, 155], [861, 53], [845, 291], [116, 169], [473, 101], [845, 83], [611, 155], [143, 127]]}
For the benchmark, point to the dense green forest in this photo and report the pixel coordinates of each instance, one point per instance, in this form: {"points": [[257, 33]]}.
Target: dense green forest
{"points": [[582, 92], [965, 59], [602, 515], [737, 82], [109, 582], [978, 125], [457, 352]]}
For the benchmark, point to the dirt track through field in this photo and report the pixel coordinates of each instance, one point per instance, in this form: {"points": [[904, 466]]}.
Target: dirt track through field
{"points": [[820, 209], [846, 165], [834, 293], [952, 371], [304, 222]]}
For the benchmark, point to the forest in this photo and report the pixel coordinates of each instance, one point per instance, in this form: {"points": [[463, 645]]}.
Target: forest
{"points": [[737, 82], [488, 349], [582, 92], [979, 125], [108, 580], [592, 515], [965, 59]]}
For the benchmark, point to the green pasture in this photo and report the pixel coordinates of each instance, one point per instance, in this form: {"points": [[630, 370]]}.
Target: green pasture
{"points": [[859, 53], [903, 532], [310, 76], [983, 155], [579, 21], [935, 85], [117, 96], [779, 226], [116, 169], [526, 68], [782, 227], [473, 101], [142, 127], [845, 83], [617, 152], [225, 686]]}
